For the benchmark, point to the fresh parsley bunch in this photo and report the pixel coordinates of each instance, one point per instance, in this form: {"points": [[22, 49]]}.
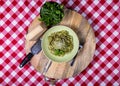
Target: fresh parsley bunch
{"points": [[51, 13]]}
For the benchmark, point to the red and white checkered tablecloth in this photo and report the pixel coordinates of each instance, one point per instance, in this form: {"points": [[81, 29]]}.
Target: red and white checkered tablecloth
{"points": [[104, 17]]}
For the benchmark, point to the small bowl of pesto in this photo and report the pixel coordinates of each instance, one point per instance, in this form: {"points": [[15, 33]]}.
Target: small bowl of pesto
{"points": [[60, 43]]}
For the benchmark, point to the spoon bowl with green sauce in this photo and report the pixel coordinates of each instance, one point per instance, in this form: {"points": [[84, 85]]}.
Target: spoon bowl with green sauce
{"points": [[60, 43]]}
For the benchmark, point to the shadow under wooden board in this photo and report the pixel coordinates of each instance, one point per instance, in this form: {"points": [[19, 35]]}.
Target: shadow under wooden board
{"points": [[85, 55]]}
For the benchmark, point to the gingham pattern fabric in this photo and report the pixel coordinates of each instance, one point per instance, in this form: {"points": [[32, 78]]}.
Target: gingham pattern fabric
{"points": [[104, 17]]}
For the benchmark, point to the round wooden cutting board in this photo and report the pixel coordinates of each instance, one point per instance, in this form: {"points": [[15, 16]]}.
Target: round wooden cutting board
{"points": [[63, 70]]}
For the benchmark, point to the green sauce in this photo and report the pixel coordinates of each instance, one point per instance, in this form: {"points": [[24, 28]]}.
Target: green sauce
{"points": [[60, 43]]}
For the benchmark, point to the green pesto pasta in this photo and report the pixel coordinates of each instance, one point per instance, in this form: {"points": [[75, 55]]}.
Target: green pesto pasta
{"points": [[60, 43]]}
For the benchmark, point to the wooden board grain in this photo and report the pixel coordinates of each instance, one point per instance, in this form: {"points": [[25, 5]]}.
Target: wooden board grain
{"points": [[63, 70]]}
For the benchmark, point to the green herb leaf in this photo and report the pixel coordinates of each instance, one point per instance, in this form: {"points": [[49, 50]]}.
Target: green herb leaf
{"points": [[51, 13]]}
